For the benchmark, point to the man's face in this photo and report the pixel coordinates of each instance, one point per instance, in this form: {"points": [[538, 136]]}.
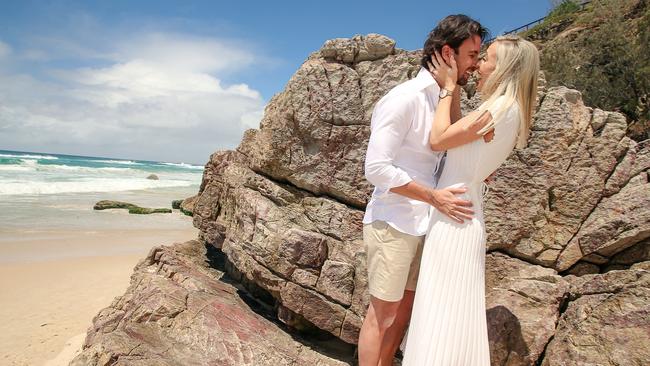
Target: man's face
{"points": [[467, 58]]}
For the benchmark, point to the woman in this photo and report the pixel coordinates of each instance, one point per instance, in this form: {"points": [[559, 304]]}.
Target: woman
{"points": [[448, 325]]}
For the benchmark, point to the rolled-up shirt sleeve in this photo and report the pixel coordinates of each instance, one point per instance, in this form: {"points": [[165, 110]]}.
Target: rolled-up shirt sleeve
{"points": [[389, 125]]}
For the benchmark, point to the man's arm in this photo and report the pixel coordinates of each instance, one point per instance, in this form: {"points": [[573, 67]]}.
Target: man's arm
{"points": [[390, 123], [444, 200]]}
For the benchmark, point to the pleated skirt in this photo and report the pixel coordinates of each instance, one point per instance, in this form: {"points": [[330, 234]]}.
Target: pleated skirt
{"points": [[448, 324]]}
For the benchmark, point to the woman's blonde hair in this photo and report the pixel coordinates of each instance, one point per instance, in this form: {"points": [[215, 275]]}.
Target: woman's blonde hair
{"points": [[515, 78]]}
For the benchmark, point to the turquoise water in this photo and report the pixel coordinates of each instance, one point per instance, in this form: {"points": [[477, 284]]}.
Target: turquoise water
{"points": [[47, 198], [26, 173]]}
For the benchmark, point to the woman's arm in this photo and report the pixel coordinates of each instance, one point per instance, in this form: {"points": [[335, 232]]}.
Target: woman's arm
{"points": [[455, 106], [445, 135]]}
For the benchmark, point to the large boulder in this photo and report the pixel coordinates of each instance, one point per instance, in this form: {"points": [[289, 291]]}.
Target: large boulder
{"points": [[179, 311], [524, 303], [286, 207], [606, 321], [314, 134], [304, 251], [577, 195]]}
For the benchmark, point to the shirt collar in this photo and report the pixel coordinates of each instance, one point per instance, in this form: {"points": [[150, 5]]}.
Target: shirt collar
{"points": [[425, 80]]}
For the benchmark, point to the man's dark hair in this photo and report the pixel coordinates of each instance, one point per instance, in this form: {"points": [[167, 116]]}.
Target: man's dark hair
{"points": [[452, 30]]}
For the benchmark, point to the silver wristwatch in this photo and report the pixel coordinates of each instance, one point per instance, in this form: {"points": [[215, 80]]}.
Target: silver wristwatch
{"points": [[445, 93]]}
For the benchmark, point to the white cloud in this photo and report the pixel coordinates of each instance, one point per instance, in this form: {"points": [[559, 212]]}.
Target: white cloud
{"points": [[186, 52], [159, 97], [5, 50], [252, 119], [34, 54]]}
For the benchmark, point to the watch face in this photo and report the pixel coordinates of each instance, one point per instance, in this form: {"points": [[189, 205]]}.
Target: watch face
{"points": [[443, 93]]}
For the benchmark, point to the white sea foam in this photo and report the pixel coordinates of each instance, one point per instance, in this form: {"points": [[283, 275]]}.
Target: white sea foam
{"points": [[28, 156], [125, 162], [26, 165], [15, 168], [87, 185], [72, 168], [185, 165], [29, 162], [33, 165]]}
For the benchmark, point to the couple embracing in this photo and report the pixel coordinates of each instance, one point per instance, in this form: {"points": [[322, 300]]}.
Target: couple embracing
{"points": [[424, 224]]}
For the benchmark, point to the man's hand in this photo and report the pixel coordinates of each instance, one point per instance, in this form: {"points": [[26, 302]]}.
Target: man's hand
{"points": [[445, 201], [445, 73], [488, 136]]}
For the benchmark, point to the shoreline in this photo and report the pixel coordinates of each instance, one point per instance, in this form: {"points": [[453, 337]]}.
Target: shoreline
{"points": [[53, 287], [52, 245]]}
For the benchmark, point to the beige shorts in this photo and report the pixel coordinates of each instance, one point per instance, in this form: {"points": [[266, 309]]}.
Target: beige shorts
{"points": [[393, 260]]}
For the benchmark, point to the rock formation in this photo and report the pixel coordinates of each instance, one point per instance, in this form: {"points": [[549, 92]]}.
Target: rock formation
{"points": [[133, 209], [568, 221], [179, 311], [187, 205]]}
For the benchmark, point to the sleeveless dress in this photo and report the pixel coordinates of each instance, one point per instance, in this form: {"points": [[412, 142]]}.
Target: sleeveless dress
{"points": [[448, 324]]}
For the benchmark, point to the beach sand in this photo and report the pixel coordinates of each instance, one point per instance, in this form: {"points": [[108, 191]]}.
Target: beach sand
{"points": [[52, 287]]}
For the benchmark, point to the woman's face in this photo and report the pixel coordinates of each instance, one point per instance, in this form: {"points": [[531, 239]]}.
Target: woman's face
{"points": [[486, 65]]}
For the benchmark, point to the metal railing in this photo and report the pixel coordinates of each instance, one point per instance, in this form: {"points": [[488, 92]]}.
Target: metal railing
{"points": [[581, 3]]}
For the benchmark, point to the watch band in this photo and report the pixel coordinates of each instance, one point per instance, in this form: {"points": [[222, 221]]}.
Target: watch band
{"points": [[445, 93]]}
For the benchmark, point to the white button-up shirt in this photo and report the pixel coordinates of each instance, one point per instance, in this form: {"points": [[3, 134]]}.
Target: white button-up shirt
{"points": [[399, 152]]}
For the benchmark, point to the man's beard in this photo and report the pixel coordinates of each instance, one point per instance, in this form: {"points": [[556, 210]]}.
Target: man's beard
{"points": [[462, 80]]}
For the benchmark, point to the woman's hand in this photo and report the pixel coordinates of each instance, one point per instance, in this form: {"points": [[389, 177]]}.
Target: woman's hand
{"points": [[445, 74]]}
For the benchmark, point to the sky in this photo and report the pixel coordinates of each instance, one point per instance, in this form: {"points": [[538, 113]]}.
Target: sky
{"points": [[177, 80]]}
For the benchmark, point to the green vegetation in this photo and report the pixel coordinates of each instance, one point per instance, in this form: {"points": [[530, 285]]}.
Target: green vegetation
{"points": [[146, 211], [601, 51], [565, 11]]}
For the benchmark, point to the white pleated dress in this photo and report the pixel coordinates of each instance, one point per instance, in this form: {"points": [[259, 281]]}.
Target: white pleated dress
{"points": [[448, 325]]}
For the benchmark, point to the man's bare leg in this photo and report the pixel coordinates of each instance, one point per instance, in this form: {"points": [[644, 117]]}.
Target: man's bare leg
{"points": [[381, 315], [394, 334]]}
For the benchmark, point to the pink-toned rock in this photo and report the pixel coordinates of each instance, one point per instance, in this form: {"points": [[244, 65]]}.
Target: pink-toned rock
{"points": [[337, 281], [606, 321], [177, 311], [523, 305], [571, 188]]}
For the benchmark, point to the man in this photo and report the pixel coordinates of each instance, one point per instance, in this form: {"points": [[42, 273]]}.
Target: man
{"points": [[402, 166]]}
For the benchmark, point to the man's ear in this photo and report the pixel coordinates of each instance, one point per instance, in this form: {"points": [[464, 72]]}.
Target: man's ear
{"points": [[446, 53]]}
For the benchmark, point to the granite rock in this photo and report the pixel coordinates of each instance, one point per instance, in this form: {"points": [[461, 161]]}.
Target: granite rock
{"points": [[178, 310]]}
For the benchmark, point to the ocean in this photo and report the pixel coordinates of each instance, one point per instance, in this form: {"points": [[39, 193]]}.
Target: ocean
{"points": [[25, 173], [47, 200]]}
